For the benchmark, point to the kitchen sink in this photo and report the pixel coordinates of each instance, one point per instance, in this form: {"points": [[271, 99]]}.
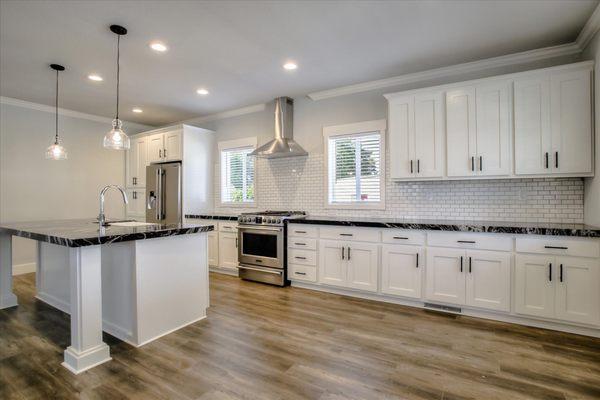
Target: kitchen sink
{"points": [[130, 223]]}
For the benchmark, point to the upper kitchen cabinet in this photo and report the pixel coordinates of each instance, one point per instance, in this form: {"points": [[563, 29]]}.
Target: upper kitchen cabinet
{"points": [[553, 122], [137, 160], [165, 146], [416, 136], [478, 130]]}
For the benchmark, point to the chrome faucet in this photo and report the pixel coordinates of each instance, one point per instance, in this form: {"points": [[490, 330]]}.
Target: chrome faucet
{"points": [[101, 216]]}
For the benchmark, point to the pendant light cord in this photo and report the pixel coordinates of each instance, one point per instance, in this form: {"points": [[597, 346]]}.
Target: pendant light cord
{"points": [[118, 71], [56, 104]]}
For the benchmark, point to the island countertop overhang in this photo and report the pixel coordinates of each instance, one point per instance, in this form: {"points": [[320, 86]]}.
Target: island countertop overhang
{"points": [[86, 232]]}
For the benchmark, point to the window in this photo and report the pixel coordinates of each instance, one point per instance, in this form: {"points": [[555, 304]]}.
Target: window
{"points": [[237, 172], [355, 165]]}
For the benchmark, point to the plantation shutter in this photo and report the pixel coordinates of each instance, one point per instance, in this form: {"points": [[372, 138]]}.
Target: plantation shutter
{"points": [[237, 175]]}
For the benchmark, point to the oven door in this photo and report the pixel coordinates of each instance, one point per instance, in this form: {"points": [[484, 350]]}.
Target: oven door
{"points": [[261, 246]]}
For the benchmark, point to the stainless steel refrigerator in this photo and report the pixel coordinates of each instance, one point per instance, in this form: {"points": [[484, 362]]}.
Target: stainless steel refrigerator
{"points": [[163, 193]]}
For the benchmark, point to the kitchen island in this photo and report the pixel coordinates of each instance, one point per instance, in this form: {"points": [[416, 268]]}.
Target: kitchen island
{"points": [[134, 281]]}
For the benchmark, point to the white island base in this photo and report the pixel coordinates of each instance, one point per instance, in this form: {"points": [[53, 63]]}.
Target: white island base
{"points": [[150, 287]]}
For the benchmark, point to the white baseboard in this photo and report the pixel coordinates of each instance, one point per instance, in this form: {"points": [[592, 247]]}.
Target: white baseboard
{"points": [[54, 302], [20, 269]]}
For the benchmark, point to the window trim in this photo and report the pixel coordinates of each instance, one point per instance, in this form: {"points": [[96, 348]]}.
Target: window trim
{"points": [[354, 129], [249, 142]]}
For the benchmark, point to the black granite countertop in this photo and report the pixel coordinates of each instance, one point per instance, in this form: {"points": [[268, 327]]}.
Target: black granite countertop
{"points": [[220, 217], [86, 232], [580, 230]]}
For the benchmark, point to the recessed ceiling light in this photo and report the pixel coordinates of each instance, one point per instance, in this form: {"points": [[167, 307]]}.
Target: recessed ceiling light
{"points": [[290, 66], [202, 91], [137, 110], [158, 46], [96, 78]]}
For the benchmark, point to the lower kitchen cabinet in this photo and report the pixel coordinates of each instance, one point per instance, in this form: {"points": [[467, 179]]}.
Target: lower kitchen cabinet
{"points": [[213, 249], [136, 207], [564, 288], [228, 252], [445, 277], [348, 264], [402, 270]]}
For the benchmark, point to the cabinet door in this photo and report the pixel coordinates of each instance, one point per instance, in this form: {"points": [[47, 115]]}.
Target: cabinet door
{"points": [[577, 294], [493, 129], [401, 137], [363, 264], [332, 263], [155, 148], [136, 203], [132, 164], [401, 270], [571, 122], [488, 280], [173, 146], [534, 286], [213, 249], [460, 132], [532, 125], [445, 275], [141, 146], [228, 253], [429, 135]]}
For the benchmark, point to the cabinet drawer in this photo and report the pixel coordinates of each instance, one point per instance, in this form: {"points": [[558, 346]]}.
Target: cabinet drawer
{"points": [[358, 234], [304, 257], [302, 273], [400, 236], [227, 226], [559, 246], [301, 230], [466, 240], [302, 243]]}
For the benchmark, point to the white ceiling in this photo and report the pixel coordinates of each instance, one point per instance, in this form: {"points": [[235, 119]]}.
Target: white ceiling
{"points": [[236, 48]]}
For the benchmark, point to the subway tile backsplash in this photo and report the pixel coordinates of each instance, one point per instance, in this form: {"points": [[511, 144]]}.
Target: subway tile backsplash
{"points": [[299, 184]]}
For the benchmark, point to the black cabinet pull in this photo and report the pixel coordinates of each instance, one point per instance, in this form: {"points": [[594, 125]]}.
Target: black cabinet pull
{"points": [[300, 231], [165, 153], [417, 260], [134, 195], [465, 241], [418, 166], [470, 264], [300, 258], [342, 252], [550, 272], [300, 273], [461, 263], [346, 234], [556, 159], [400, 237], [472, 163], [556, 247], [300, 244], [411, 166], [159, 153], [561, 272], [481, 163], [547, 160], [348, 253]]}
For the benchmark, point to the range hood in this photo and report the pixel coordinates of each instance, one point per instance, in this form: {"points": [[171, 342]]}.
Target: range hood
{"points": [[283, 145]]}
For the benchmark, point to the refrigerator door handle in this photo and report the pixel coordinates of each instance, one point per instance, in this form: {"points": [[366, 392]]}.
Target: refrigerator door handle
{"points": [[159, 194]]}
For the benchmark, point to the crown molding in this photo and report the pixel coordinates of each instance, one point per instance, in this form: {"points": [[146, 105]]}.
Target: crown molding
{"points": [[226, 114], [457, 69], [62, 111], [590, 28]]}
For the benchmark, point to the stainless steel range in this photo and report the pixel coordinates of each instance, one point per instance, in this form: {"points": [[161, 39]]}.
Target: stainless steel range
{"points": [[262, 250]]}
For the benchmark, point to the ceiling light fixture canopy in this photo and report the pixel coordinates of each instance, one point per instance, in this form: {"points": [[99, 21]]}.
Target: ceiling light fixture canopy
{"points": [[115, 138], [56, 151]]}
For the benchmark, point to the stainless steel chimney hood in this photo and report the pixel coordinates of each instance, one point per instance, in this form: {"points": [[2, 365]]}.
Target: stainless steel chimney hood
{"points": [[283, 145]]}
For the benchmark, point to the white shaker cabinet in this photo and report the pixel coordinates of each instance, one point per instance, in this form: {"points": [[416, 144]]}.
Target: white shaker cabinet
{"points": [[349, 264], [228, 253], [553, 123], [172, 146], [460, 131], [488, 279], [213, 249], [402, 270], [416, 136], [155, 148], [137, 161], [136, 207], [332, 263], [445, 277]]}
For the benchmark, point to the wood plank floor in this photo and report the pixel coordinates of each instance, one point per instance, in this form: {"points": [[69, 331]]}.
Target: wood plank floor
{"points": [[263, 342]]}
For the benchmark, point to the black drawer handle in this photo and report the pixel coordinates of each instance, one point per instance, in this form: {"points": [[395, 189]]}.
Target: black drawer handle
{"points": [[300, 244], [465, 241], [417, 260], [556, 159], [299, 231], [546, 160], [470, 264], [561, 272], [346, 234], [400, 237], [300, 258], [550, 272], [461, 263], [556, 247], [300, 273]]}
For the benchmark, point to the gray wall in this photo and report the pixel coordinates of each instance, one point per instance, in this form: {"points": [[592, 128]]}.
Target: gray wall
{"points": [[33, 188]]}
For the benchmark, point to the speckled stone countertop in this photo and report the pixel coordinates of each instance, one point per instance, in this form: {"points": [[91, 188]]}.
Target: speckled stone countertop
{"points": [[579, 230], [220, 217], [86, 232]]}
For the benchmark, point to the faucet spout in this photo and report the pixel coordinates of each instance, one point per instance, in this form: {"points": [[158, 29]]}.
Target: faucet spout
{"points": [[101, 216]]}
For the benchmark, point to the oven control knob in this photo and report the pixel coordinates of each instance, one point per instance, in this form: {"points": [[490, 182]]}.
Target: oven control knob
{"points": [[269, 220], [278, 220]]}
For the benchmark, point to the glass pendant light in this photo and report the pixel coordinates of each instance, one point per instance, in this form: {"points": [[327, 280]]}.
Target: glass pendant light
{"points": [[56, 151], [117, 139]]}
